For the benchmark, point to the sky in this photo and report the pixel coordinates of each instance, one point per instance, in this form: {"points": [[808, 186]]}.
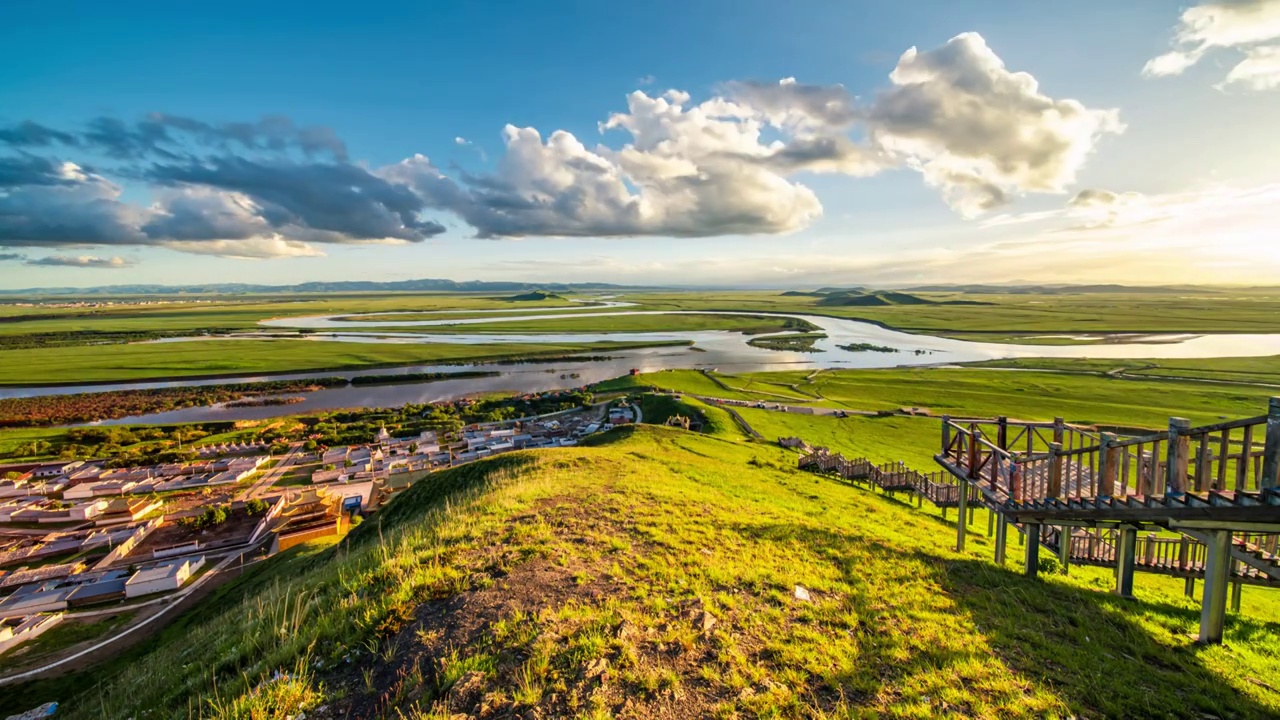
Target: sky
{"points": [[718, 143]]}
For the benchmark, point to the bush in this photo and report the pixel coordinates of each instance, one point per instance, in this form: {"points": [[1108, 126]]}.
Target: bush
{"points": [[1049, 564], [257, 506]]}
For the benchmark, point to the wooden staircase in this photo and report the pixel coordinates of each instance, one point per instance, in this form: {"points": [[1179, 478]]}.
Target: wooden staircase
{"points": [[1214, 484]]}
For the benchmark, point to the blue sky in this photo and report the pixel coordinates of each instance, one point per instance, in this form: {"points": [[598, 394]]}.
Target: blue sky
{"points": [[1181, 154]]}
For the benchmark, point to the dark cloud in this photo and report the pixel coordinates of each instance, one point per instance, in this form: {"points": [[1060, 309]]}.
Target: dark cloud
{"points": [[9, 257], [171, 137], [30, 134], [334, 197], [31, 170], [82, 261], [83, 211]]}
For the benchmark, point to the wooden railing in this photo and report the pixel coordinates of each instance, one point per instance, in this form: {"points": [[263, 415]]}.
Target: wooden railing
{"points": [[937, 487], [1028, 461]]}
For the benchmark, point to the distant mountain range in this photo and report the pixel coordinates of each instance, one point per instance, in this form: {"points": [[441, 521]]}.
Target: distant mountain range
{"points": [[353, 286], [1062, 289]]}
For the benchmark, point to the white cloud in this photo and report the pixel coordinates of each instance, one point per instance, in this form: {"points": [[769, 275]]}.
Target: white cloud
{"points": [[82, 261], [1260, 70], [1229, 24], [980, 132], [732, 164], [255, 248]]}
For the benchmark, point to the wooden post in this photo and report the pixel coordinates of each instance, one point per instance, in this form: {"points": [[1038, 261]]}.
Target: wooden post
{"points": [[1064, 547], [1271, 455], [1190, 587], [1059, 429], [1242, 466], [1213, 604], [972, 470], [1149, 557], [1184, 545], [1002, 536], [1055, 470], [1108, 465], [1237, 589], [1127, 541], [1002, 432], [1176, 456], [991, 522], [1032, 533], [961, 516], [946, 434]]}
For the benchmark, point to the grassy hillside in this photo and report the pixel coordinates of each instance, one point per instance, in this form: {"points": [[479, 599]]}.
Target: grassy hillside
{"points": [[654, 575], [1084, 398]]}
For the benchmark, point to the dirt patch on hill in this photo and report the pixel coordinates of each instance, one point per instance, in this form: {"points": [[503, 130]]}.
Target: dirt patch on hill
{"points": [[537, 637]]}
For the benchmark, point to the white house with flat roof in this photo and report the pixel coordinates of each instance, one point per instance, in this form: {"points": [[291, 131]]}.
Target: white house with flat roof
{"points": [[161, 578]]}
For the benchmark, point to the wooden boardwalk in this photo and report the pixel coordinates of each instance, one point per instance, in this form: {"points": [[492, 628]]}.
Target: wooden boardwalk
{"points": [[1180, 556], [1216, 485]]}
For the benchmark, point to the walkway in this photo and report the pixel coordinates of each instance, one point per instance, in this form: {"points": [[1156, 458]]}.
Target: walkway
{"points": [[1215, 485]]}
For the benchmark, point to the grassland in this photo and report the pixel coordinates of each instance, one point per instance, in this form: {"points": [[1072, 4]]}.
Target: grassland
{"points": [[46, 344], [598, 323], [1011, 315], [1089, 399], [653, 575], [1262, 370], [213, 358]]}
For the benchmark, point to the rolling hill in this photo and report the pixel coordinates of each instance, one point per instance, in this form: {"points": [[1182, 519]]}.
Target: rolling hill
{"points": [[664, 573]]}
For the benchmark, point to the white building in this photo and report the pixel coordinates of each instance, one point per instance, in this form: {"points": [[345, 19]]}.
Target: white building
{"points": [[162, 578]]}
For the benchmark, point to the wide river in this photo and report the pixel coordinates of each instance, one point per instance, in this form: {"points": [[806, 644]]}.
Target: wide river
{"points": [[723, 350]]}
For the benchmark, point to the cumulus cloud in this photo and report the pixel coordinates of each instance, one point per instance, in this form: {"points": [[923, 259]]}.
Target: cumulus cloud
{"points": [[980, 132], [732, 164], [82, 261], [1260, 70], [1226, 24]]}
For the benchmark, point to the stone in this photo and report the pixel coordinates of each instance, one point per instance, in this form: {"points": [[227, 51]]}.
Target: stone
{"points": [[802, 593]]}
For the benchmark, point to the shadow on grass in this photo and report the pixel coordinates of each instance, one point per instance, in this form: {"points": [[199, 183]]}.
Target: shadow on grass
{"points": [[1100, 654]]}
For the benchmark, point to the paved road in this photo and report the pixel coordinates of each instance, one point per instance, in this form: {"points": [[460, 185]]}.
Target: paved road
{"points": [[262, 485]]}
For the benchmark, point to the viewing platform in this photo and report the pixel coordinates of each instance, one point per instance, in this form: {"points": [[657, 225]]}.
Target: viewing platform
{"points": [[1215, 485]]}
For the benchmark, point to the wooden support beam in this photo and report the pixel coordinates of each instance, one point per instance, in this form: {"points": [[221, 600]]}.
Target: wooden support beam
{"points": [[1059, 429], [1213, 604], [1190, 587], [946, 433], [1109, 466], [1002, 432], [1002, 536], [1055, 470], [1126, 545], [991, 522], [1177, 456], [962, 517], [1271, 455], [1064, 547], [1032, 565], [1237, 589]]}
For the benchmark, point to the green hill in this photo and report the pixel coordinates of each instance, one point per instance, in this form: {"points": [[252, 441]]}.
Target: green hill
{"points": [[535, 296], [880, 298], [653, 573]]}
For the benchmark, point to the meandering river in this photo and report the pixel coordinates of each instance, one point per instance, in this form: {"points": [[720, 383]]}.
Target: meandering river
{"points": [[722, 350]]}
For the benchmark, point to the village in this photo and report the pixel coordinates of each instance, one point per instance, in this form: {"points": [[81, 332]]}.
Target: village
{"points": [[79, 539]]}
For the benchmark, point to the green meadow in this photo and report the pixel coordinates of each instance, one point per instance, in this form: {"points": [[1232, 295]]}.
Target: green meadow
{"points": [[655, 573], [206, 358], [968, 392]]}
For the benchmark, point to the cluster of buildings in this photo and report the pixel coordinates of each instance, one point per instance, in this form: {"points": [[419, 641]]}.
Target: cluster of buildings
{"points": [[80, 480], [387, 457], [77, 534]]}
